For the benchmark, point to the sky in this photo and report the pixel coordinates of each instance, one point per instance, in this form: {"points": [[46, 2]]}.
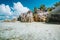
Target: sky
{"points": [[10, 9], [30, 3]]}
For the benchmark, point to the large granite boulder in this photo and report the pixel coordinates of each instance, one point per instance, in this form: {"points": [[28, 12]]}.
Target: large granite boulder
{"points": [[54, 15]]}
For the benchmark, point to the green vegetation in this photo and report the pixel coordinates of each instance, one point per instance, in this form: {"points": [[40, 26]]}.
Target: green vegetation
{"points": [[35, 10], [57, 4], [49, 9], [42, 7]]}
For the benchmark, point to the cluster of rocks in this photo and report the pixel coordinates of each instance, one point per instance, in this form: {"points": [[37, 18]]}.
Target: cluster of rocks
{"points": [[40, 16]]}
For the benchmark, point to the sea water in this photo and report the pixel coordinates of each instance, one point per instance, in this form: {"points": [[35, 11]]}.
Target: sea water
{"points": [[29, 31]]}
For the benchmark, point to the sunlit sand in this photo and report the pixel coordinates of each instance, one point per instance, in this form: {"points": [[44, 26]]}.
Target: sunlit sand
{"points": [[29, 31]]}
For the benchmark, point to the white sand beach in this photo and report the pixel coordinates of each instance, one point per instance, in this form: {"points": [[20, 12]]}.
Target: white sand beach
{"points": [[29, 31]]}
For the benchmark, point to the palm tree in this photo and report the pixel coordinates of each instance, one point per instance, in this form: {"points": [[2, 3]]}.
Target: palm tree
{"points": [[42, 7], [49, 9], [57, 4], [35, 14], [35, 10]]}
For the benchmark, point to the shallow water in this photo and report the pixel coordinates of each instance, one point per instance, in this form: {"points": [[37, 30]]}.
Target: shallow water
{"points": [[29, 31]]}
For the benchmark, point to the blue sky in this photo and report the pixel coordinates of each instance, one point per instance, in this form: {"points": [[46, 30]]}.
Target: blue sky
{"points": [[10, 9], [30, 3]]}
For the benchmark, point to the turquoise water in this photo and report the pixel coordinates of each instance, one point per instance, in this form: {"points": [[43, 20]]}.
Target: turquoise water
{"points": [[29, 31]]}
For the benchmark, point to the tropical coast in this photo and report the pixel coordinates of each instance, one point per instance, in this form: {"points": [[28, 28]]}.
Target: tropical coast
{"points": [[18, 22]]}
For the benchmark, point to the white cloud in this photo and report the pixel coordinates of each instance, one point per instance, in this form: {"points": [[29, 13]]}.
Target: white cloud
{"points": [[18, 7], [5, 9], [14, 11]]}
